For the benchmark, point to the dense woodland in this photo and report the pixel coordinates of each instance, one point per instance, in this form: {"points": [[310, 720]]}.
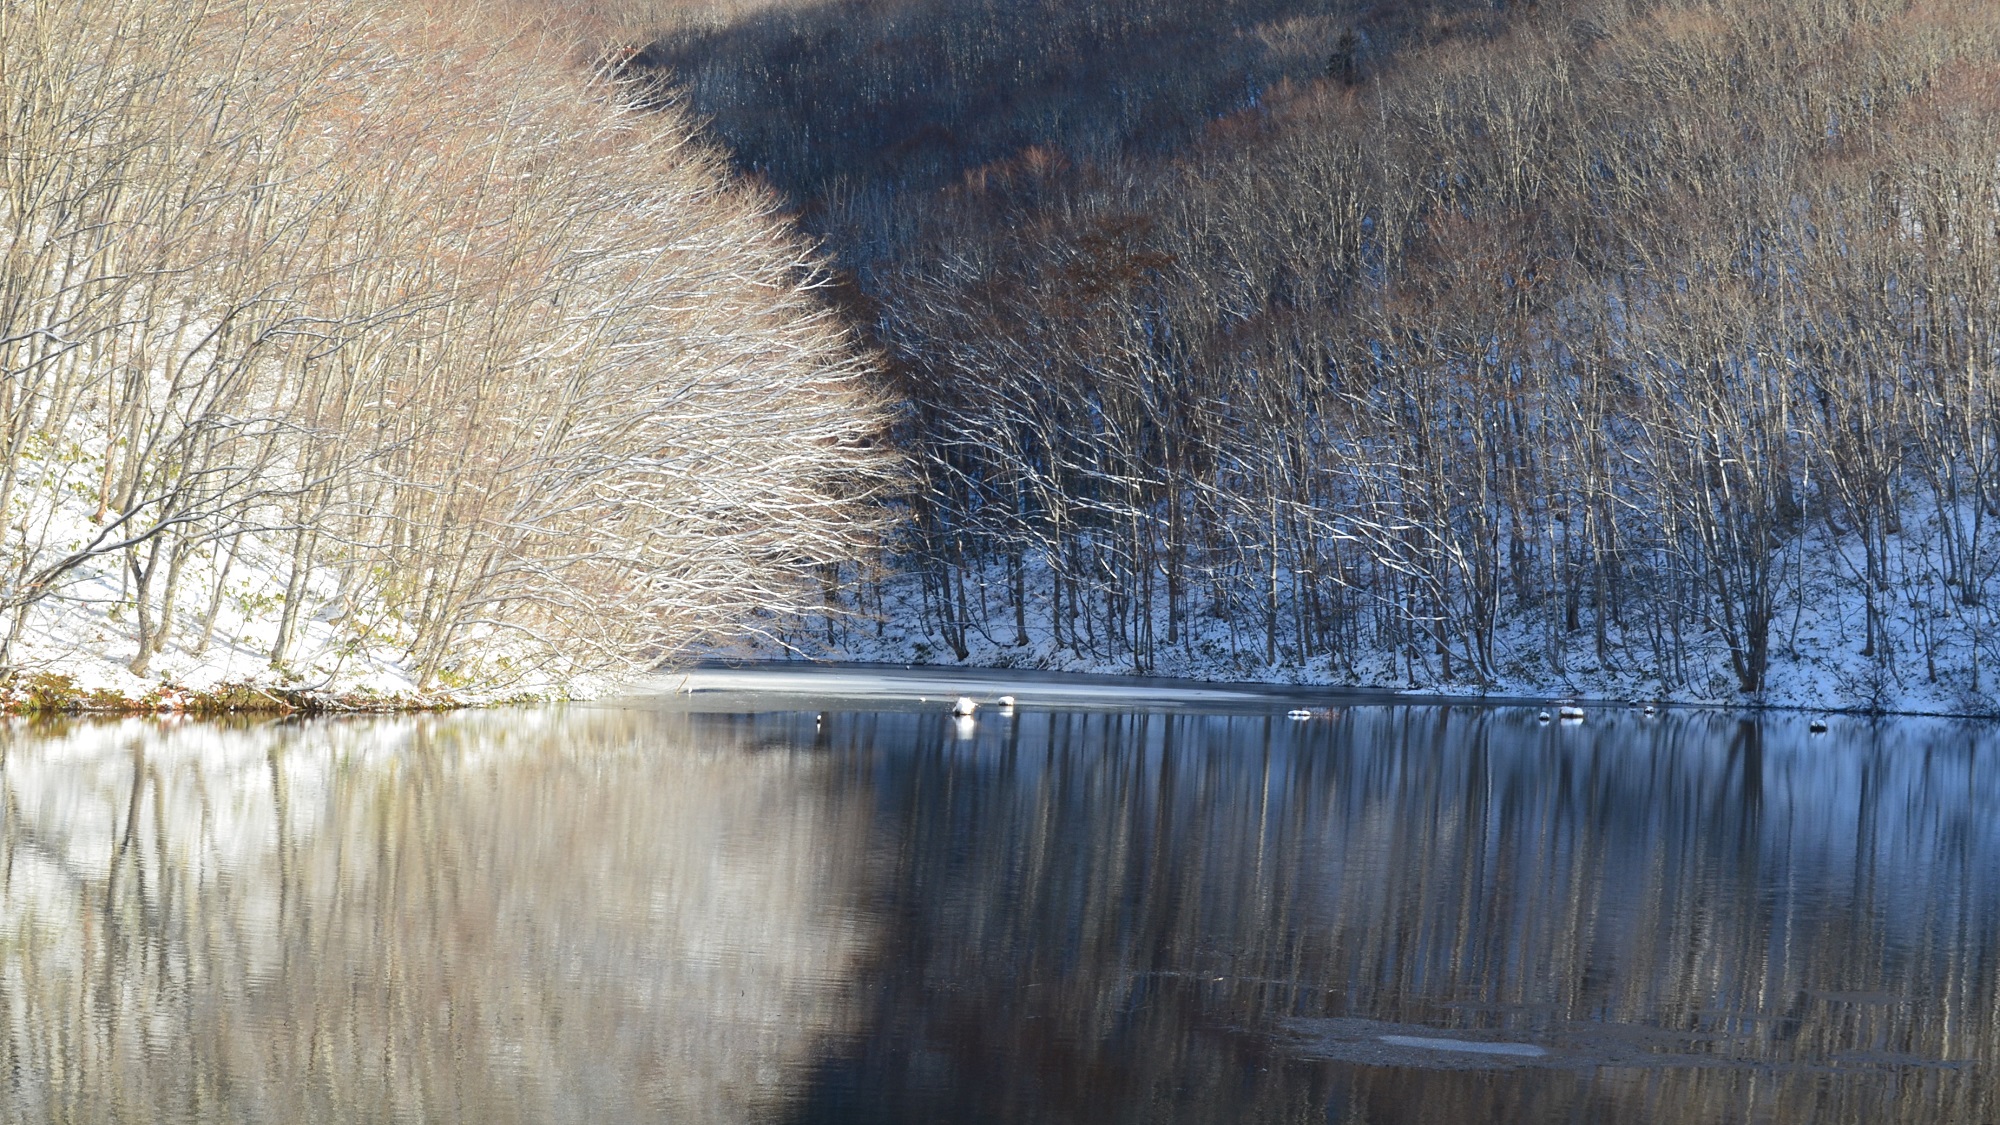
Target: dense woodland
{"points": [[471, 355], [1429, 342], [1455, 343]]}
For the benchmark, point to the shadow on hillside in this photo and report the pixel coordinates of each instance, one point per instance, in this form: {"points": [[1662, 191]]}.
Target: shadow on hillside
{"points": [[914, 93]]}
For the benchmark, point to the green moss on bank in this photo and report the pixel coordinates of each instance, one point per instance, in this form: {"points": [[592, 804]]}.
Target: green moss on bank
{"points": [[48, 693]]}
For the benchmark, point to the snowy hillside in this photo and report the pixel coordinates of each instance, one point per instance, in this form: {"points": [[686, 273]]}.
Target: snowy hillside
{"points": [[1930, 659]]}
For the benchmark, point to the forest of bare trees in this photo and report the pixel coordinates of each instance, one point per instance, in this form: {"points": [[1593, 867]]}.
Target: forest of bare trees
{"points": [[488, 367], [1639, 342], [1435, 342]]}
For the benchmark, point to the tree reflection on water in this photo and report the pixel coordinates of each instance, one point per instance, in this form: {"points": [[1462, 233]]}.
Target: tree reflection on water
{"points": [[1145, 917], [493, 918], [645, 913]]}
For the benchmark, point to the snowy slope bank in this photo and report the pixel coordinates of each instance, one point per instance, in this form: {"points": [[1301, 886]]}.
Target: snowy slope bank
{"points": [[223, 627], [1939, 653]]}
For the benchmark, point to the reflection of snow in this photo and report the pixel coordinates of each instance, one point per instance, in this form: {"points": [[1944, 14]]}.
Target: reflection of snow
{"points": [[631, 912], [521, 915]]}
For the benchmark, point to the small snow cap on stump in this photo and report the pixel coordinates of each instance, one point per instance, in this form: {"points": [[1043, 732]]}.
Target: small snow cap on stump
{"points": [[964, 707]]}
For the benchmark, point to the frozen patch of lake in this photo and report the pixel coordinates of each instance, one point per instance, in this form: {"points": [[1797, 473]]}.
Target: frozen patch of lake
{"points": [[763, 686], [1467, 1046]]}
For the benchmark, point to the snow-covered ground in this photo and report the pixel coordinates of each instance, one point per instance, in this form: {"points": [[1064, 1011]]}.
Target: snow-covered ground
{"points": [[82, 634], [1938, 655], [86, 634], [227, 613]]}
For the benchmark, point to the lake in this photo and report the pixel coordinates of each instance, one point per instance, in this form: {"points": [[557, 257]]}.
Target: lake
{"points": [[843, 905]]}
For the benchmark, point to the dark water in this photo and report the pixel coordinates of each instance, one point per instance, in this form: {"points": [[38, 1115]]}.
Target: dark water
{"points": [[643, 913]]}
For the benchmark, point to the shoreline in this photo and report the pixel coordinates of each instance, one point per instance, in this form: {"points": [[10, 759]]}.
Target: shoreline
{"points": [[719, 675], [48, 694], [51, 694]]}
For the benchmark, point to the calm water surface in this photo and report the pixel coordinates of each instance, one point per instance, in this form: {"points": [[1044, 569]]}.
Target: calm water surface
{"points": [[652, 912]]}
